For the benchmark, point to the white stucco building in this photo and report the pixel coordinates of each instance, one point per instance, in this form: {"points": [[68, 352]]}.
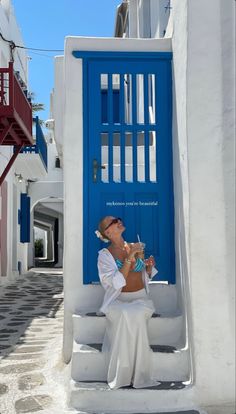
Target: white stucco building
{"points": [[197, 308], [23, 179], [13, 254]]}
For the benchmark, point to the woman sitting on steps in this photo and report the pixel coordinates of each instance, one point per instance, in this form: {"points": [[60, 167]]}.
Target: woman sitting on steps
{"points": [[125, 274]]}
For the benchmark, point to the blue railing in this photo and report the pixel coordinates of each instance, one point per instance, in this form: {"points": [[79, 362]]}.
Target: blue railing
{"points": [[40, 146]]}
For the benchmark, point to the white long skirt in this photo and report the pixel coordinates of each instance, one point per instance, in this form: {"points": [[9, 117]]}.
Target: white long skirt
{"points": [[126, 344]]}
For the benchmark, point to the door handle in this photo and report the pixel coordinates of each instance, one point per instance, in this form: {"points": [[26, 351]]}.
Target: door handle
{"points": [[96, 166]]}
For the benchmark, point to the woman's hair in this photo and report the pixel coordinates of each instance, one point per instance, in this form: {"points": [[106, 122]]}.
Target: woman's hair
{"points": [[100, 232], [101, 226]]}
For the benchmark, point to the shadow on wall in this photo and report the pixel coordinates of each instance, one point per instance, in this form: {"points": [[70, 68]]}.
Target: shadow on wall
{"points": [[3, 229], [228, 132], [181, 197]]}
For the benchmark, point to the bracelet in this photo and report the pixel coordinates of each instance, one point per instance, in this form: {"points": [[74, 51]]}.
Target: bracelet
{"points": [[128, 261]]}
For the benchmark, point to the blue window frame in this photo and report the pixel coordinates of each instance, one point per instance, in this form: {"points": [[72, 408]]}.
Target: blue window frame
{"points": [[24, 218]]}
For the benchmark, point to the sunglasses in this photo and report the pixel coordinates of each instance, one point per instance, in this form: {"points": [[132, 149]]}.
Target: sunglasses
{"points": [[114, 221]]}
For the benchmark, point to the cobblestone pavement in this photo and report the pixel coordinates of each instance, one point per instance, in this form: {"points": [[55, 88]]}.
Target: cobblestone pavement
{"points": [[32, 374]]}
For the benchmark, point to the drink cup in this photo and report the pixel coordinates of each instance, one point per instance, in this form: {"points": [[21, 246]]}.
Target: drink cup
{"points": [[142, 245]]}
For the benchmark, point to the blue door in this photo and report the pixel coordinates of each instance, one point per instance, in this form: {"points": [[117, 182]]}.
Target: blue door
{"points": [[128, 153]]}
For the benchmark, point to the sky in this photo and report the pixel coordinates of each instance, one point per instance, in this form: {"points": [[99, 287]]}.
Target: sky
{"points": [[44, 25]]}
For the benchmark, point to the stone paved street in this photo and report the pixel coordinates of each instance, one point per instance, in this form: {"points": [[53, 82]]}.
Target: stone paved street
{"points": [[32, 374]]}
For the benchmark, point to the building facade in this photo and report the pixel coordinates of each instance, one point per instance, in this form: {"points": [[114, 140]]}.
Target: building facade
{"points": [[26, 159], [174, 60]]}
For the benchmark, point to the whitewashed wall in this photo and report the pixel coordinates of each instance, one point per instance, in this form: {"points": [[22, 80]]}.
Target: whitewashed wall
{"points": [[147, 18], [159, 17], [58, 103], [54, 175], [11, 31], [22, 248], [180, 166], [210, 135]]}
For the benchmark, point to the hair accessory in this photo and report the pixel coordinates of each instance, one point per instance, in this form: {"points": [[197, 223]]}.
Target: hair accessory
{"points": [[100, 236]]}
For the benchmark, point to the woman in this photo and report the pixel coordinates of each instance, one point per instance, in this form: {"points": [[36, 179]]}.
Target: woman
{"points": [[125, 275]]}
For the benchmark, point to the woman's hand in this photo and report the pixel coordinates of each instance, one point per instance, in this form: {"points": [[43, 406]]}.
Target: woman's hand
{"points": [[133, 249], [149, 262]]}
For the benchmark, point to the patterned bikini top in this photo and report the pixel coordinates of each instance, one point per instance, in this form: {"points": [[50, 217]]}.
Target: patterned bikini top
{"points": [[139, 264]]}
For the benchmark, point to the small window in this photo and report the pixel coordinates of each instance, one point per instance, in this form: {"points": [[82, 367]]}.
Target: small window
{"points": [[57, 163]]}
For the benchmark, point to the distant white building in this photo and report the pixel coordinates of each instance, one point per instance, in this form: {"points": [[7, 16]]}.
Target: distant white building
{"points": [[47, 211], [157, 97], [23, 169]]}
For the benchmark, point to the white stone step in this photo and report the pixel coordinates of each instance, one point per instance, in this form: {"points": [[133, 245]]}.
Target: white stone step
{"points": [[98, 398], [161, 330], [89, 364], [164, 297]]}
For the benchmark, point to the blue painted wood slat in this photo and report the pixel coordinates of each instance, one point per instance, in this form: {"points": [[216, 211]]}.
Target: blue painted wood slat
{"points": [[146, 132], [134, 122], [122, 136]]}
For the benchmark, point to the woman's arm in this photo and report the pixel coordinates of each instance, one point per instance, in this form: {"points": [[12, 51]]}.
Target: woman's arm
{"points": [[108, 273]]}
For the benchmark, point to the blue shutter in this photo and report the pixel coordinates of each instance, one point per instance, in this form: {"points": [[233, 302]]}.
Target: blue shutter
{"points": [[24, 218]]}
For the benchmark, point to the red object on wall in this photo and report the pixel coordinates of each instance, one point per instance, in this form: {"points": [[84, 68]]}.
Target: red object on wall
{"points": [[15, 110], [15, 114]]}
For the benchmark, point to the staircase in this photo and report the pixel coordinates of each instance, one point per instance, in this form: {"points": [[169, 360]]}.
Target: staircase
{"points": [[88, 389]]}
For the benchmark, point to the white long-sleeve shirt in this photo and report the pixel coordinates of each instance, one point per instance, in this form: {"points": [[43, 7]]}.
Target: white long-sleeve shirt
{"points": [[112, 279]]}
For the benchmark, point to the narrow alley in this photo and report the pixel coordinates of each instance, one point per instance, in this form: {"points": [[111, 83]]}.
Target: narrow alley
{"points": [[31, 323]]}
